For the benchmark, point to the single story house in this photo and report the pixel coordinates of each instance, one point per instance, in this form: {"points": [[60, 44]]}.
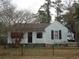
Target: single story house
{"points": [[38, 33]]}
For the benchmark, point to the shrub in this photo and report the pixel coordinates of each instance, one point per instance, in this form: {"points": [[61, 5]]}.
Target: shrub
{"points": [[3, 40]]}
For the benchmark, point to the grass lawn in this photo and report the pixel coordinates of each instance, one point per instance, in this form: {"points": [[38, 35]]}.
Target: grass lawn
{"points": [[39, 53]]}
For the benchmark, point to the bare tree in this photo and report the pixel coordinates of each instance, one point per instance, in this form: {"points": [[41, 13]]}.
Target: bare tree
{"points": [[9, 16]]}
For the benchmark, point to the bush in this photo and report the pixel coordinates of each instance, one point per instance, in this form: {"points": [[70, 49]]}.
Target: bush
{"points": [[3, 40]]}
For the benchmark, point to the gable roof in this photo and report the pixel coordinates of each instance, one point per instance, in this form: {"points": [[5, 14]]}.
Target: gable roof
{"points": [[61, 24], [30, 27]]}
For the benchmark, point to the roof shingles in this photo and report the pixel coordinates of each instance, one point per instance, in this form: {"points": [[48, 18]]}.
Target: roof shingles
{"points": [[29, 27]]}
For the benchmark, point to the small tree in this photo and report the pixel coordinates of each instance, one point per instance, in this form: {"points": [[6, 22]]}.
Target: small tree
{"points": [[44, 12], [57, 4]]}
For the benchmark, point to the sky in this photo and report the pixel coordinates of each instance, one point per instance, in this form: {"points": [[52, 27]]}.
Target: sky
{"points": [[32, 5]]}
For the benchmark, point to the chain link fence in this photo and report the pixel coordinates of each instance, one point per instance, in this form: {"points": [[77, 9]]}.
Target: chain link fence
{"points": [[43, 50], [39, 49]]}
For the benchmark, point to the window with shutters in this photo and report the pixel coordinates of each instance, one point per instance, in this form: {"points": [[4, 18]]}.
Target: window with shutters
{"points": [[56, 34]]}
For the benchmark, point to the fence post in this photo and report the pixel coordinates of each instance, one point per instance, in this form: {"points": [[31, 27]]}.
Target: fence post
{"points": [[22, 53], [53, 50]]}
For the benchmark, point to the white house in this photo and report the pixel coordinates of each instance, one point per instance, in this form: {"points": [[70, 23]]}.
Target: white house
{"points": [[41, 33]]}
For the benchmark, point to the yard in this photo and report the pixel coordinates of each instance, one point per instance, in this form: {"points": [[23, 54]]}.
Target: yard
{"points": [[39, 53]]}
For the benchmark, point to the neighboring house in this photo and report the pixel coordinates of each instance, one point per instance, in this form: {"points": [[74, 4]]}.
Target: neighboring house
{"points": [[41, 33]]}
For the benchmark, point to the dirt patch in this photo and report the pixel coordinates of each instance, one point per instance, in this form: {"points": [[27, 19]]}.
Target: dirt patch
{"points": [[37, 57]]}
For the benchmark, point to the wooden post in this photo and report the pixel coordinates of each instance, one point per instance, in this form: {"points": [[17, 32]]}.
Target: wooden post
{"points": [[22, 53], [53, 50]]}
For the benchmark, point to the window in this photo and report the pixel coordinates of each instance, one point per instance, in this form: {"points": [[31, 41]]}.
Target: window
{"points": [[52, 34], [56, 34], [39, 35], [16, 34]]}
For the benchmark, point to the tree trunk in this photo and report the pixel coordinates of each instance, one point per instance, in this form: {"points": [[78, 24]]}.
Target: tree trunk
{"points": [[17, 42], [77, 38]]}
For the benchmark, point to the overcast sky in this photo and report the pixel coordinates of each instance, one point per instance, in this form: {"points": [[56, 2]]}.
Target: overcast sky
{"points": [[32, 5]]}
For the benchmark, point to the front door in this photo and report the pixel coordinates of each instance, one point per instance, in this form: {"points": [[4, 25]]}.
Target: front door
{"points": [[29, 37]]}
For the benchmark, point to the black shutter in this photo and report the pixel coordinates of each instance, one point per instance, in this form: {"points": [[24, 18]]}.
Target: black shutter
{"points": [[60, 35], [52, 34]]}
